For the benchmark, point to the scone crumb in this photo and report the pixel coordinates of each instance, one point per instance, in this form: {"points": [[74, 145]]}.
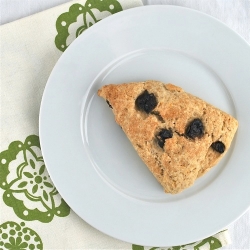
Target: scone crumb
{"points": [[171, 87]]}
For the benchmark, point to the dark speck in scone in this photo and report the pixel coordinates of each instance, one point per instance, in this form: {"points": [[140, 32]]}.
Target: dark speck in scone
{"points": [[163, 135], [146, 102], [195, 129], [218, 146], [108, 104]]}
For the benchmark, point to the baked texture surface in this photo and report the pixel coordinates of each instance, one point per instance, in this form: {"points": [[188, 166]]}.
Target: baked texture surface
{"points": [[161, 132]]}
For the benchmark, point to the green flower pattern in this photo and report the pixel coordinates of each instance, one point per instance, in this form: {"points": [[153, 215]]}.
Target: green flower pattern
{"points": [[28, 188], [18, 237], [210, 243], [71, 24]]}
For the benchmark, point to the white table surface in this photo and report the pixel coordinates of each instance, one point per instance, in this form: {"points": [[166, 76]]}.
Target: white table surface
{"points": [[234, 13]]}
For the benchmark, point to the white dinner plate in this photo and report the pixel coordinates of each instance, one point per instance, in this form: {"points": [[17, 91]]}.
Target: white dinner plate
{"points": [[89, 158]]}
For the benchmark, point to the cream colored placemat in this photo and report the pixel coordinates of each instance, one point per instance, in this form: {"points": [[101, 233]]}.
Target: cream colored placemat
{"points": [[33, 214]]}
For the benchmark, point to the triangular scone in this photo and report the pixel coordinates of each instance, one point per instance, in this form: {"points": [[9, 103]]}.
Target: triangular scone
{"points": [[177, 135]]}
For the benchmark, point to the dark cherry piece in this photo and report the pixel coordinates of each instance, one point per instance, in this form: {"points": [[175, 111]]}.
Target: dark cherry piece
{"points": [[146, 102], [195, 129], [218, 146], [163, 135], [160, 143]]}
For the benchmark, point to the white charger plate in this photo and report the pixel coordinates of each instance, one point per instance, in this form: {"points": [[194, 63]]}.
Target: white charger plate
{"points": [[89, 158]]}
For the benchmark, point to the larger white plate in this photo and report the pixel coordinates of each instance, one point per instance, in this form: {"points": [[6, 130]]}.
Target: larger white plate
{"points": [[91, 161]]}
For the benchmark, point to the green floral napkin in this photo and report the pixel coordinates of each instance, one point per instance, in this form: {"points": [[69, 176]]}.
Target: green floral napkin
{"points": [[33, 214]]}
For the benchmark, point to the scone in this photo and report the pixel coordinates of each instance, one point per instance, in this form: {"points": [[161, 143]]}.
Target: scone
{"points": [[177, 135]]}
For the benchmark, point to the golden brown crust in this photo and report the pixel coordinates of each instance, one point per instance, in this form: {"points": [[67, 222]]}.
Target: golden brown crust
{"points": [[181, 160]]}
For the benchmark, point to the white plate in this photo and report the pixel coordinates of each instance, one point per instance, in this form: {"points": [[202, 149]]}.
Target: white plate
{"points": [[91, 161]]}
